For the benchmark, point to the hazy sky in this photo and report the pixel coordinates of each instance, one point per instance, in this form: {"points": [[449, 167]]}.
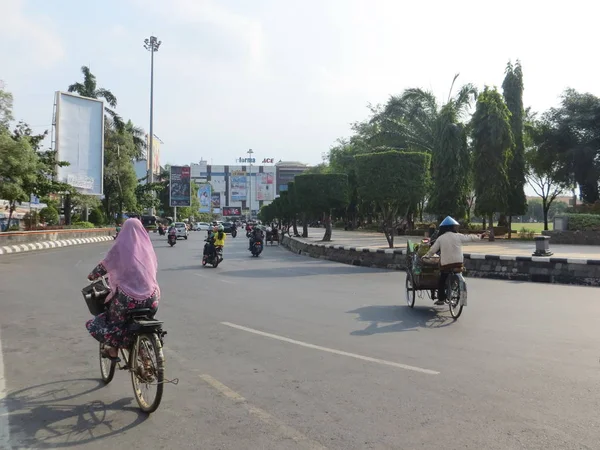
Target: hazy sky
{"points": [[284, 78]]}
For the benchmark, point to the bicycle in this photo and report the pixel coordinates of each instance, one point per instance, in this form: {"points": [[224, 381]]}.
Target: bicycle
{"points": [[147, 342]]}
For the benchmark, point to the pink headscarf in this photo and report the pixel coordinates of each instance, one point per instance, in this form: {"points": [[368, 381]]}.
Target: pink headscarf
{"points": [[131, 262]]}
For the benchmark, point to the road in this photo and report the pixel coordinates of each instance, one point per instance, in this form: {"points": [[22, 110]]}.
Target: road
{"points": [[288, 352]]}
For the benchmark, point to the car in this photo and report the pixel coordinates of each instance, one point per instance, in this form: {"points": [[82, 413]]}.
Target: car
{"points": [[201, 226], [227, 227], [181, 230]]}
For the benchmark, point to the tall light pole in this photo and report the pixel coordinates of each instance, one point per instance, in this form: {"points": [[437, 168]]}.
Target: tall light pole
{"points": [[250, 152], [151, 44]]}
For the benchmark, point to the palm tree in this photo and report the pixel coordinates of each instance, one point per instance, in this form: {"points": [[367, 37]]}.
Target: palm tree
{"points": [[415, 121], [139, 139], [89, 88]]}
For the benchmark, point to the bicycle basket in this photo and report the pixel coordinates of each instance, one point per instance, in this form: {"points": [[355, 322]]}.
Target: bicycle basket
{"points": [[95, 295]]}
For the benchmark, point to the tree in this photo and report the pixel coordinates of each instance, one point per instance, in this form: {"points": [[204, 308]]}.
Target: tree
{"points": [[89, 88], [573, 132], [420, 124], [394, 182], [492, 143], [544, 170], [97, 217], [19, 165], [6, 105], [513, 96], [321, 193], [293, 205]]}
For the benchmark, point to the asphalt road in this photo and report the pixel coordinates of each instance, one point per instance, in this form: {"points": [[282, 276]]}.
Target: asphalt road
{"points": [[287, 352]]}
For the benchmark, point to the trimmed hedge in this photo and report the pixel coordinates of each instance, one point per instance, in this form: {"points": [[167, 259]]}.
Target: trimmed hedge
{"points": [[583, 222], [78, 225]]}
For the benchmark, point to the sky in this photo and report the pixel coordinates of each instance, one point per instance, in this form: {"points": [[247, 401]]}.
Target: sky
{"points": [[284, 78]]}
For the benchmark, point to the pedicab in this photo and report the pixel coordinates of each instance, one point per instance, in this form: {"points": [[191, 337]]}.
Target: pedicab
{"points": [[423, 276]]}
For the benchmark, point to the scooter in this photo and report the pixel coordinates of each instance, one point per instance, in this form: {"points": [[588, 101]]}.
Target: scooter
{"points": [[257, 248], [172, 239], [233, 233], [215, 258]]}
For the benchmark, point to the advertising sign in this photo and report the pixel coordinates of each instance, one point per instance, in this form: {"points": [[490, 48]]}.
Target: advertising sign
{"points": [[79, 126], [216, 200], [180, 189], [232, 211], [265, 188], [237, 186], [204, 195]]}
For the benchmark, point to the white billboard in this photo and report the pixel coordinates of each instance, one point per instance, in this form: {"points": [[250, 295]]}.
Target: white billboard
{"points": [[79, 125]]}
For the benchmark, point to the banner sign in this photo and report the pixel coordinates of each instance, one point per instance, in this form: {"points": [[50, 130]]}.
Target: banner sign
{"points": [[237, 184], [204, 195], [232, 211], [216, 200], [180, 189], [265, 189]]}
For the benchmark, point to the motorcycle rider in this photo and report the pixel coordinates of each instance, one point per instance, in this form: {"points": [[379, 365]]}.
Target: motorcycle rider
{"points": [[449, 243], [209, 247], [219, 238], [255, 235]]}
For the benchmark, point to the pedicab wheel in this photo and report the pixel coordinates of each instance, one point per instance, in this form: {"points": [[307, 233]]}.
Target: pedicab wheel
{"points": [[147, 371], [107, 367], [453, 296], [410, 290]]}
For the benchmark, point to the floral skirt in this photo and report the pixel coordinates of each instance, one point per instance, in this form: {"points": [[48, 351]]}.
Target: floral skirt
{"points": [[110, 327]]}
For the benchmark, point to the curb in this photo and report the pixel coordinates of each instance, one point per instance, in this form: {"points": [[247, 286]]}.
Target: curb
{"points": [[401, 251], [22, 248]]}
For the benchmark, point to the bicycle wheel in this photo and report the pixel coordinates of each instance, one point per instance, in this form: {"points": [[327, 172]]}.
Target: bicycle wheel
{"points": [[147, 366], [107, 367], [410, 290], [453, 296]]}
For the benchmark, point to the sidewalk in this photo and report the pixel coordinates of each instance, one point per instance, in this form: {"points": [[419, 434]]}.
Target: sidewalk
{"points": [[500, 247]]}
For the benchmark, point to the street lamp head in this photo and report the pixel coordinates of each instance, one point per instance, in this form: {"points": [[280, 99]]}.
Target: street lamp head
{"points": [[152, 44]]}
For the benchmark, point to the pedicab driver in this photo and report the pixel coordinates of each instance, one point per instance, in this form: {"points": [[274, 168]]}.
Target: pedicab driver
{"points": [[449, 243]]}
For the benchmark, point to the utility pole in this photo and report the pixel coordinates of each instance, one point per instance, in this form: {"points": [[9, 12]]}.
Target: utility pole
{"points": [[151, 44], [250, 152]]}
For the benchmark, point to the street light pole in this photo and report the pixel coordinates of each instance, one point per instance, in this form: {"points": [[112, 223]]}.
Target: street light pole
{"points": [[250, 152], [151, 44]]}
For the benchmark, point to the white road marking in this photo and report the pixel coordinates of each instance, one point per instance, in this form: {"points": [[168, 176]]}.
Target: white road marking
{"points": [[227, 281], [334, 351], [4, 425], [283, 429]]}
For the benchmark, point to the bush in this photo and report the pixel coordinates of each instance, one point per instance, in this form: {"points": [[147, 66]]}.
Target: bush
{"points": [[75, 218], [526, 234], [76, 225], [97, 217], [583, 222], [14, 228], [49, 215], [339, 224]]}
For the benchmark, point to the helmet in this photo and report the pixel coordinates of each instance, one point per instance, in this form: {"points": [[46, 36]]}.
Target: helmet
{"points": [[448, 222], [221, 227]]}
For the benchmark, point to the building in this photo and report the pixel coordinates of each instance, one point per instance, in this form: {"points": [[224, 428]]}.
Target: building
{"points": [[286, 171], [244, 186]]}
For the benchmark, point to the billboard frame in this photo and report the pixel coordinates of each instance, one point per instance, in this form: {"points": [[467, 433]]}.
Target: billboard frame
{"points": [[57, 115], [171, 186]]}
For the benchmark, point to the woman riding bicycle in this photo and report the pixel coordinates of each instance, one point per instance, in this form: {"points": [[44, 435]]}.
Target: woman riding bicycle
{"points": [[449, 243], [131, 266]]}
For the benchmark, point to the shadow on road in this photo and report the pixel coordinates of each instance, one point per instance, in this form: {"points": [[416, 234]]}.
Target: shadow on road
{"points": [[42, 416], [392, 319], [298, 271]]}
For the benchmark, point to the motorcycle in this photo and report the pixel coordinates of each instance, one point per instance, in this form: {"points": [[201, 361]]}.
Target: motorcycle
{"points": [[161, 231], [257, 248], [172, 239], [213, 258], [233, 233]]}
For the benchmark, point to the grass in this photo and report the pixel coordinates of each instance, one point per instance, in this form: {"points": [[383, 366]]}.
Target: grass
{"points": [[538, 227]]}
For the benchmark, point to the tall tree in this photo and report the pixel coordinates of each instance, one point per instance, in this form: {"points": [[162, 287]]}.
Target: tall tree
{"points": [[492, 144], [394, 182], [320, 194], [89, 88], [6, 104], [513, 96], [544, 171], [421, 124]]}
